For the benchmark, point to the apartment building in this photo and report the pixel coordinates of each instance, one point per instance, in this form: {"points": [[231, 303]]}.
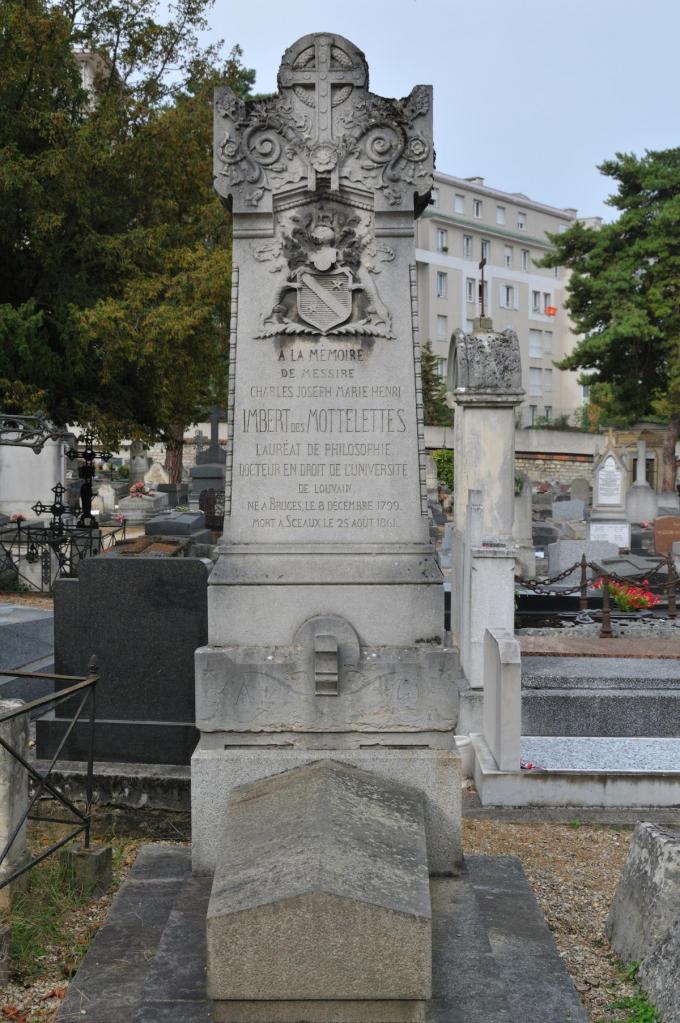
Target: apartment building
{"points": [[469, 221]]}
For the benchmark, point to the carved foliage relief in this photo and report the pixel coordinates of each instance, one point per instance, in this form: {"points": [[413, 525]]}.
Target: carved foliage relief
{"points": [[323, 123]]}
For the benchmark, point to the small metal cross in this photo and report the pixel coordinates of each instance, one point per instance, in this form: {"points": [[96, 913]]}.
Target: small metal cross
{"points": [[482, 264]]}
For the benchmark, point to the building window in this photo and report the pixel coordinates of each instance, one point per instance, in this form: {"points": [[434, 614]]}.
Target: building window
{"points": [[533, 409], [470, 289], [441, 284], [476, 207], [507, 296], [547, 411], [434, 198], [441, 368], [547, 380], [442, 240], [507, 255], [548, 342], [534, 381], [467, 246], [459, 203], [535, 346], [500, 214], [525, 259], [442, 328], [547, 300], [485, 248], [535, 301], [521, 221]]}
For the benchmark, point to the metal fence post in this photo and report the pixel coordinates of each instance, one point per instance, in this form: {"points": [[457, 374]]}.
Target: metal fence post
{"points": [[606, 630], [583, 599], [672, 581], [92, 668]]}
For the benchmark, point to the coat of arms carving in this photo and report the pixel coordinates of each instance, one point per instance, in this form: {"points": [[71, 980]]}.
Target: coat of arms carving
{"points": [[327, 266]]}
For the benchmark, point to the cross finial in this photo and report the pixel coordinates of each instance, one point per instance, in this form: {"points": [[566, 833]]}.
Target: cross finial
{"points": [[482, 264]]}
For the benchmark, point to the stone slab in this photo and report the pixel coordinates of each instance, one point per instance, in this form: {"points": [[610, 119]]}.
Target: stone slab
{"points": [[589, 785], [567, 510], [26, 634], [321, 891], [143, 618], [215, 772], [566, 645], [599, 673], [140, 742], [564, 553], [174, 523], [634, 755], [600, 712], [473, 980], [647, 900]]}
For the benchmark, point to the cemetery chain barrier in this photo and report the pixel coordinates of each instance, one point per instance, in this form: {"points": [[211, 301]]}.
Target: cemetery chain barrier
{"points": [[83, 689], [602, 579]]}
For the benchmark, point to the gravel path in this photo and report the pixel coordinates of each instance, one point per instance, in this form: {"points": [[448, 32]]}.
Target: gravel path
{"points": [[573, 870]]}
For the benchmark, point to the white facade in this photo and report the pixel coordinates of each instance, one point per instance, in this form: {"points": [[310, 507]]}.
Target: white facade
{"points": [[468, 221]]}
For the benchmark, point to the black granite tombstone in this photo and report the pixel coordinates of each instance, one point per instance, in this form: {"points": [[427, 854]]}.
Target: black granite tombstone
{"points": [[143, 618]]}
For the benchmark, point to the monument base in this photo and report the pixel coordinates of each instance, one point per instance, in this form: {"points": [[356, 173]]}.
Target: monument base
{"points": [[340, 1011], [216, 769]]}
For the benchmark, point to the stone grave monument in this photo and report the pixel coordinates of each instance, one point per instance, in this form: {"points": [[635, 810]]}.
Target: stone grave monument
{"points": [[641, 499], [326, 605], [208, 471], [608, 518]]}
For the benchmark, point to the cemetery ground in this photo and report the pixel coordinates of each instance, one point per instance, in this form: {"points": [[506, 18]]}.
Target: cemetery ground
{"points": [[573, 869]]}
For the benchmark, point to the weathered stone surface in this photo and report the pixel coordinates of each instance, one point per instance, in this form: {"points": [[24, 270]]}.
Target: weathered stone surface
{"points": [[486, 361], [659, 975], [580, 487], [564, 553], [572, 509], [216, 770], [646, 905], [321, 891]]}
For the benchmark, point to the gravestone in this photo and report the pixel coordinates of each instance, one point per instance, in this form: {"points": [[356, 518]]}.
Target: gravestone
{"points": [[172, 523], [107, 496], [139, 462], [608, 521], [568, 509], [142, 617], [641, 503], [139, 509], [580, 488], [666, 533], [326, 602], [209, 470], [564, 553], [155, 475]]}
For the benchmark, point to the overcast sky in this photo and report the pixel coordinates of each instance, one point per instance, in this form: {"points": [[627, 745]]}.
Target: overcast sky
{"points": [[529, 94]]}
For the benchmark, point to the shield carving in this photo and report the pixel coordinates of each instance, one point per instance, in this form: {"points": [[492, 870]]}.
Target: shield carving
{"points": [[325, 300]]}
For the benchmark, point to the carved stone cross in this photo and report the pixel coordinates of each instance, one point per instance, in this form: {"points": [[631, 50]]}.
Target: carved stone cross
{"points": [[314, 78]]}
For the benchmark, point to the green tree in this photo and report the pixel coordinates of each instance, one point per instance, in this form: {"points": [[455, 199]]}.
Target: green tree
{"points": [[114, 250], [624, 296], [435, 410]]}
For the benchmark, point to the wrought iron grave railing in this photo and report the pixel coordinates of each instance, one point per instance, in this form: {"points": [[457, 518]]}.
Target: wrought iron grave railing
{"points": [[82, 689]]}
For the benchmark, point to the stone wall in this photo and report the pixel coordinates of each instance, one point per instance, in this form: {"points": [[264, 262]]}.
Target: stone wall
{"points": [[540, 466]]}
